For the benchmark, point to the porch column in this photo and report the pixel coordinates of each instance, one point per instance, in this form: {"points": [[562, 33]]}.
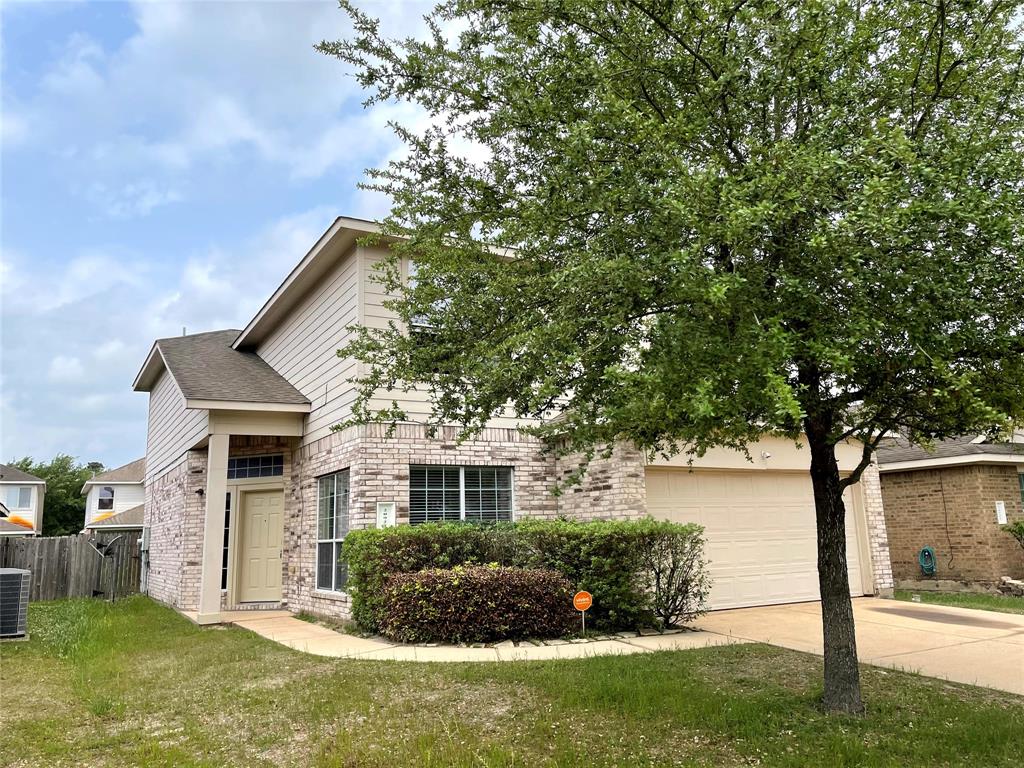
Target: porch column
{"points": [[213, 528]]}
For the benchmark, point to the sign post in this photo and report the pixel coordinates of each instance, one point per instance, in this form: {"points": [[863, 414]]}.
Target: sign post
{"points": [[581, 601]]}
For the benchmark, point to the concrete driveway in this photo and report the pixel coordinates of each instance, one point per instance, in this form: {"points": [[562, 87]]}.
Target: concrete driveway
{"points": [[967, 646]]}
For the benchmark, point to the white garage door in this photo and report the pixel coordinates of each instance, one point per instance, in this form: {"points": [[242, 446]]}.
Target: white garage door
{"points": [[760, 532]]}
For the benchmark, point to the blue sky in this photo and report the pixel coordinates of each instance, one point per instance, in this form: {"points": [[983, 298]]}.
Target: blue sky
{"points": [[163, 166]]}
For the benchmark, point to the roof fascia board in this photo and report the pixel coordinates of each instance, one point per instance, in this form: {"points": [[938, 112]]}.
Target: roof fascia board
{"points": [[952, 461], [22, 482], [138, 385], [237, 405]]}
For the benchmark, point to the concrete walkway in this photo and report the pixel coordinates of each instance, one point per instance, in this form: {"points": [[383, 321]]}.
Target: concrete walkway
{"points": [[960, 644], [282, 627]]}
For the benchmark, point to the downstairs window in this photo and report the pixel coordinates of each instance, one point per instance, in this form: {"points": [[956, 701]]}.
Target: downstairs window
{"points": [[332, 525], [473, 494]]}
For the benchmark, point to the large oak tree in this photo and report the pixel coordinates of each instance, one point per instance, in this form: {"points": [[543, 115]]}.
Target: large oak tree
{"points": [[689, 223]]}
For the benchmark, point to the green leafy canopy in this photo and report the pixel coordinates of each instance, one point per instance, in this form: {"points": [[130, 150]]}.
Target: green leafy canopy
{"points": [[691, 223]]}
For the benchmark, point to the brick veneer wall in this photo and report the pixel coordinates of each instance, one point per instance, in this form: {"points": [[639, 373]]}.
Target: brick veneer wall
{"points": [[952, 510], [379, 471], [174, 515], [878, 536], [612, 487]]}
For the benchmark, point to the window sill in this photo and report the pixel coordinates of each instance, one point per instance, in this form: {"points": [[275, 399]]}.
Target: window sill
{"points": [[328, 594]]}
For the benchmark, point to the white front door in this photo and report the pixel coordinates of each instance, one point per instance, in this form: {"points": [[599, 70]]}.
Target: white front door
{"points": [[259, 553]]}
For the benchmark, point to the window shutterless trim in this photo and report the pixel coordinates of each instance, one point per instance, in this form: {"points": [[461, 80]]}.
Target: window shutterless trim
{"points": [[332, 523], [432, 497]]}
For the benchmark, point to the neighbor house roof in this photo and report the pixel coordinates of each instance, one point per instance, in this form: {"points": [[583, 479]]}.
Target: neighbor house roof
{"points": [[9, 474], [967, 449], [132, 472], [130, 518], [209, 371], [6, 526]]}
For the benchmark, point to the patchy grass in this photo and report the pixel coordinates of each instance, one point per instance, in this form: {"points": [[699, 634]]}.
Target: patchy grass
{"points": [[978, 600], [135, 684]]}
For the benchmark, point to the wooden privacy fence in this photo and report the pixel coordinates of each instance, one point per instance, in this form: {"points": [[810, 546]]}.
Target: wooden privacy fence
{"points": [[106, 565]]}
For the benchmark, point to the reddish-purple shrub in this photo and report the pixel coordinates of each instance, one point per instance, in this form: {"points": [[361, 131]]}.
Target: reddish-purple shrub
{"points": [[476, 604]]}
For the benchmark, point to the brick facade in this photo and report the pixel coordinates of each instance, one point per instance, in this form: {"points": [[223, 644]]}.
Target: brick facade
{"points": [[174, 513], [378, 465], [953, 510], [878, 537]]}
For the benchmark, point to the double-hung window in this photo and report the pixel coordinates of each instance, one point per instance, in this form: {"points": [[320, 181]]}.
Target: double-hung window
{"points": [[332, 525], [1020, 479], [446, 493], [18, 497], [105, 501]]}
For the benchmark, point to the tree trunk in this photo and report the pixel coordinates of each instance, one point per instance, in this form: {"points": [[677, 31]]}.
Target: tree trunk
{"points": [[842, 675]]}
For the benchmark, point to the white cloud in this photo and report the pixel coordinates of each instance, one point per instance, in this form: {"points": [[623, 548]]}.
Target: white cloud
{"points": [[65, 369], [86, 332]]}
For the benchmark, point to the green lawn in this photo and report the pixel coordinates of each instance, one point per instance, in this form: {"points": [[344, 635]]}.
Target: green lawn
{"points": [[983, 602], [134, 684]]}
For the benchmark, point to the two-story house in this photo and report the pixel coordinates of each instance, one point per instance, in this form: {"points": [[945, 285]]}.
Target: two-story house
{"points": [[114, 499], [250, 492], [21, 502]]}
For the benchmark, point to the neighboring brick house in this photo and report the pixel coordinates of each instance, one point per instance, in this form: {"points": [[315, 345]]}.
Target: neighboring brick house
{"points": [[250, 489], [950, 499]]}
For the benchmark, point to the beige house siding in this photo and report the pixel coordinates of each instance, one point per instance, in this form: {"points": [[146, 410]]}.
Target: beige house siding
{"points": [[173, 428], [416, 404], [302, 349]]}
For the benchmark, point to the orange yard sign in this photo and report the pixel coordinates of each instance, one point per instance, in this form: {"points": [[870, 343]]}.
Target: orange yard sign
{"points": [[581, 601]]}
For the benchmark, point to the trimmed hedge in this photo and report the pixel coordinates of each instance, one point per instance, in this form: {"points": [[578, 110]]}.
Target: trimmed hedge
{"points": [[476, 604], [609, 559]]}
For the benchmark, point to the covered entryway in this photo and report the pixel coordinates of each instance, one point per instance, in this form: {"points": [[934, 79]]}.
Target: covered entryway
{"points": [[760, 531], [259, 551]]}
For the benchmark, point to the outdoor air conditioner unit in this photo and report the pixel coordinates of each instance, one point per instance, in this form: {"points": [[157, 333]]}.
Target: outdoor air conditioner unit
{"points": [[14, 587]]}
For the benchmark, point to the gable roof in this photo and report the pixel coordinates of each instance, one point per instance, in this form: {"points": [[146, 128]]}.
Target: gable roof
{"points": [[130, 518], [9, 474], [966, 449], [132, 472], [206, 368], [334, 242]]}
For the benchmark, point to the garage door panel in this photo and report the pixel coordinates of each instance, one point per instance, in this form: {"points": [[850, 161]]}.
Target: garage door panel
{"points": [[760, 531]]}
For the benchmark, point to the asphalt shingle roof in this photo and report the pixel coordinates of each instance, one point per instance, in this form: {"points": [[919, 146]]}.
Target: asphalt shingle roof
{"points": [[944, 449], [9, 527], [129, 518], [133, 472], [10, 474], [205, 367]]}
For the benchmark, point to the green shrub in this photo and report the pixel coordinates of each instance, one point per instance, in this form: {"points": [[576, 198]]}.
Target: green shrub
{"points": [[610, 559], [475, 604], [673, 557], [1016, 530]]}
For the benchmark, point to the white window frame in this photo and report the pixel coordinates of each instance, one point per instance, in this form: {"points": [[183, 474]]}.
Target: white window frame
{"points": [[100, 498], [462, 490], [339, 529], [9, 489]]}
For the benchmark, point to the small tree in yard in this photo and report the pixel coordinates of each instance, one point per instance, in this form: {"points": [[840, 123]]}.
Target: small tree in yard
{"points": [[692, 224]]}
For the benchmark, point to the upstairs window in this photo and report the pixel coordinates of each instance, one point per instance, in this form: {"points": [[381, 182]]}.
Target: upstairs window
{"points": [[1020, 478], [18, 497], [240, 467], [451, 494], [105, 503]]}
